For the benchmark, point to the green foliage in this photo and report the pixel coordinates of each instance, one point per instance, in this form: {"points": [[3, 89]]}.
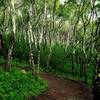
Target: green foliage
{"points": [[6, 40], [21, 50], [65, 72], [44, 55], [16, 85], [57, 56], [20, 63], [67, 10], [2, 3], [1, 60]]}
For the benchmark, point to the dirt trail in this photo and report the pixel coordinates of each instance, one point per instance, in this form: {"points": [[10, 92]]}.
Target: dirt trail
{"points": [[64, 89]]}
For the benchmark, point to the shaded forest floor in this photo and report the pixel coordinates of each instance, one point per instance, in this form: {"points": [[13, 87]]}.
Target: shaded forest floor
{"points": [[64, 89]]}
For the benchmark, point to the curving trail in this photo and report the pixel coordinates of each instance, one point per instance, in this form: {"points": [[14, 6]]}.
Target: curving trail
{"points": [[64, 89]]}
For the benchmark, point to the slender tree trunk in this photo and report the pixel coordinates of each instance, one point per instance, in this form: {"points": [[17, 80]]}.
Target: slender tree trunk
{"points": [[12, 35], [31, 38], [81, 68], [31, 61], [49, 56], [9, 57], [38, 67], [85, 72], [50, 51], [10, 50], [73, 66], [94, 75]]}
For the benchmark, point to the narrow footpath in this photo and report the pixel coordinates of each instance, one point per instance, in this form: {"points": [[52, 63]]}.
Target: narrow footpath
{"points": [[64, 89]]}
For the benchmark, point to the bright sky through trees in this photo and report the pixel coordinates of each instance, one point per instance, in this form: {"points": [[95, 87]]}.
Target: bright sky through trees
{"points": [[62, 1]]}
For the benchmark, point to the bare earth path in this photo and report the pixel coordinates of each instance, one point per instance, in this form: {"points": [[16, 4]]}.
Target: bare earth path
{"points": [[64, 89]]}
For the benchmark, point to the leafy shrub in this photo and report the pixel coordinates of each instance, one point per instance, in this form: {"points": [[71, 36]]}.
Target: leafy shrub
{"points": [[57, 56], [21, 49], [15, 85], [1, 60], [44, 55], [21, 64]]}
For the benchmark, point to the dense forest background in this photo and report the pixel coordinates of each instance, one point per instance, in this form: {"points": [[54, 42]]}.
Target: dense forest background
{"points": [[50, 35]]}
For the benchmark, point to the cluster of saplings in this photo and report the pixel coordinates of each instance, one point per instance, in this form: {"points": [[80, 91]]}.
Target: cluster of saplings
{"points": [[17, 83], [58, 59]]}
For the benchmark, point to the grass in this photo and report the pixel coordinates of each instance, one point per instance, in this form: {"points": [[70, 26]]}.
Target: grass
{"points": [[18, 85]]}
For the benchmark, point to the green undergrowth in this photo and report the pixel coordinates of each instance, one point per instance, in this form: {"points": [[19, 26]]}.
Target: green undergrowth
{"points": [[68, 75], [65, 72], [16, 85], [1, 60], [20, 64]]}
